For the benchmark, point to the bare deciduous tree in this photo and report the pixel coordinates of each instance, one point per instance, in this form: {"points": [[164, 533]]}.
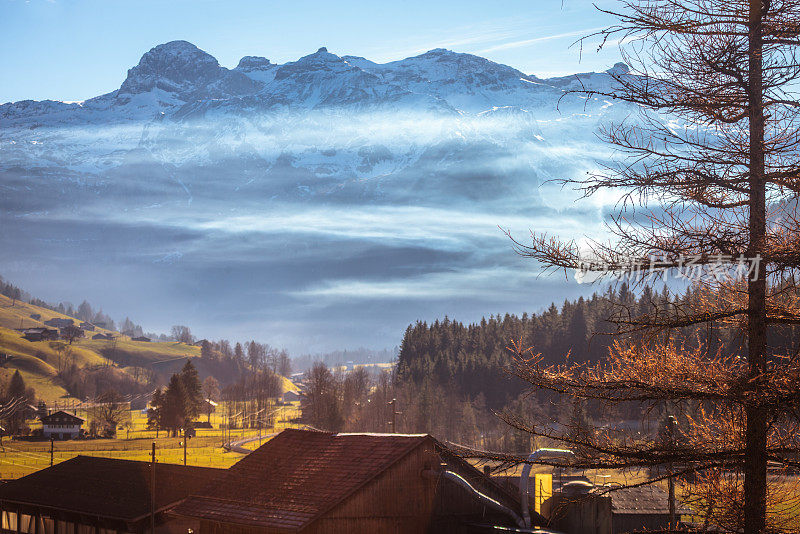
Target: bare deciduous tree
{"points": [[708, 177]]}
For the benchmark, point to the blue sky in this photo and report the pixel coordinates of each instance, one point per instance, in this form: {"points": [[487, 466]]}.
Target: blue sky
{"points": [[73, 50]]}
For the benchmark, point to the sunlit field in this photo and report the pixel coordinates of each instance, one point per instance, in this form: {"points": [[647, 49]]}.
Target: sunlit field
{"points": [[20, 457]]}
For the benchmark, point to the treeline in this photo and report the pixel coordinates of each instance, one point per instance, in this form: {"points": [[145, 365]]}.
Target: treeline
{"points": [[229, 362], [451, 378], [471, 359], [345, 357]]}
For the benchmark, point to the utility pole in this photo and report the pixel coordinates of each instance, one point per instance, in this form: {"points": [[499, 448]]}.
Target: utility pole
{"points": [[52, 442], [393, 404], [153, 491], [671, 424]]}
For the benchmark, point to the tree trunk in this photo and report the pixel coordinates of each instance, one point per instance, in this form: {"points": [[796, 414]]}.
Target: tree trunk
{"points": [[755, 464]]}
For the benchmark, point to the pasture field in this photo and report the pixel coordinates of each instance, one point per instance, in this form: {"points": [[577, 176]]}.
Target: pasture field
{"points": [[20, 457]]}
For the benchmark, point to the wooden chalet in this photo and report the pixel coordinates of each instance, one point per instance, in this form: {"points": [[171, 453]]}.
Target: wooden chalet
{"points": [[101, 335], [61, 425], [88, 495], [40, 334], [318, 482]]}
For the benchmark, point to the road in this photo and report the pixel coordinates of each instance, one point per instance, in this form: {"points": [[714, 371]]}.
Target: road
{"points": [[236, 446]]}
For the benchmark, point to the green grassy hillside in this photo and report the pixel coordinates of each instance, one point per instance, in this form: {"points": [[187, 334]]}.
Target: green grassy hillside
{"points": [[38, 362]]}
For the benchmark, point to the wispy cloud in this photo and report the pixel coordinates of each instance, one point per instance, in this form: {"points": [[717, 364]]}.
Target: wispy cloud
{"points": [[534, 40], [485, 283]]}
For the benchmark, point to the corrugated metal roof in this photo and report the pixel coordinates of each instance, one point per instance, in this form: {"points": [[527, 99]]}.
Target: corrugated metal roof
{"points": [[298, 476], [642, 500]]}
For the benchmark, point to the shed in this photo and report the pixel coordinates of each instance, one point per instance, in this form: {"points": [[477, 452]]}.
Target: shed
{"points": [[581, 508], [88, 495], [40, 334], [319, 482], [642, 508], [141, 338], [103, 336], [61, 425]]}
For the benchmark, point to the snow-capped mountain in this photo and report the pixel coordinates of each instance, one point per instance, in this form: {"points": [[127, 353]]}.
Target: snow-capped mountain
{"points": [[330, 197], [337, 126]]}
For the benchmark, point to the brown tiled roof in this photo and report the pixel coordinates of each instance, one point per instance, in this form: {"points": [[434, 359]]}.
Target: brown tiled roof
{"points": [[642, 500], [297, 476], [106, 487]]}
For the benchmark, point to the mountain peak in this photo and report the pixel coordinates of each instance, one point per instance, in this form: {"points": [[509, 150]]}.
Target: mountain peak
{"points": [[170, 66], [251, 63], [619, 69], [322, 49]]}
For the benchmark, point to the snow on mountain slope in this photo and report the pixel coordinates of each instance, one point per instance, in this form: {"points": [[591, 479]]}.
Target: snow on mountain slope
{"points": [[467, 82], [322, 125], [590, 81]]}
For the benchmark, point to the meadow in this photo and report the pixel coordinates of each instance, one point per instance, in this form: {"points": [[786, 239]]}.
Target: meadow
{"points": [[20, 457]]}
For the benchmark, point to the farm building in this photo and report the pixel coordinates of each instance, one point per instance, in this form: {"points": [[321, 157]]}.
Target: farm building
{"points": [[290, 396], [58, 322], [87, 495], [319, 482], [61, 425], [87, 326], [40, 334], [103, 336], [581, 508], [141, 338]]}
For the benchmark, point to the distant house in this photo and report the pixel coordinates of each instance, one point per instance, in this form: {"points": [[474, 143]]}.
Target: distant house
{"points": [[87, 495], [87, 326], [40, 334], [103, 336], [58, 322], [290, 396], [141, 338], [318, 482], [61, 425], [36, 316]]}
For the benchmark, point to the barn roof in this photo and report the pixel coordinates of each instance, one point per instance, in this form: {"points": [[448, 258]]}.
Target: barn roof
{"points": [[107, 487], [59, 417], [310, 472]]}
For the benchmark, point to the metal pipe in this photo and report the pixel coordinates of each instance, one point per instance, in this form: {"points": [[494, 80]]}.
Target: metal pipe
{"points": [[461, 481], [526, 472]]}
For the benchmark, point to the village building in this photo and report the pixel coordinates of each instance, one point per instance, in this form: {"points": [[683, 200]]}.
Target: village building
{"points": [[88, 495], [36, 316], [291, 396], [89, 327], [40, 334], [61, 425], [58, 322], [319, 482], [103, 336], [141, 338]]}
